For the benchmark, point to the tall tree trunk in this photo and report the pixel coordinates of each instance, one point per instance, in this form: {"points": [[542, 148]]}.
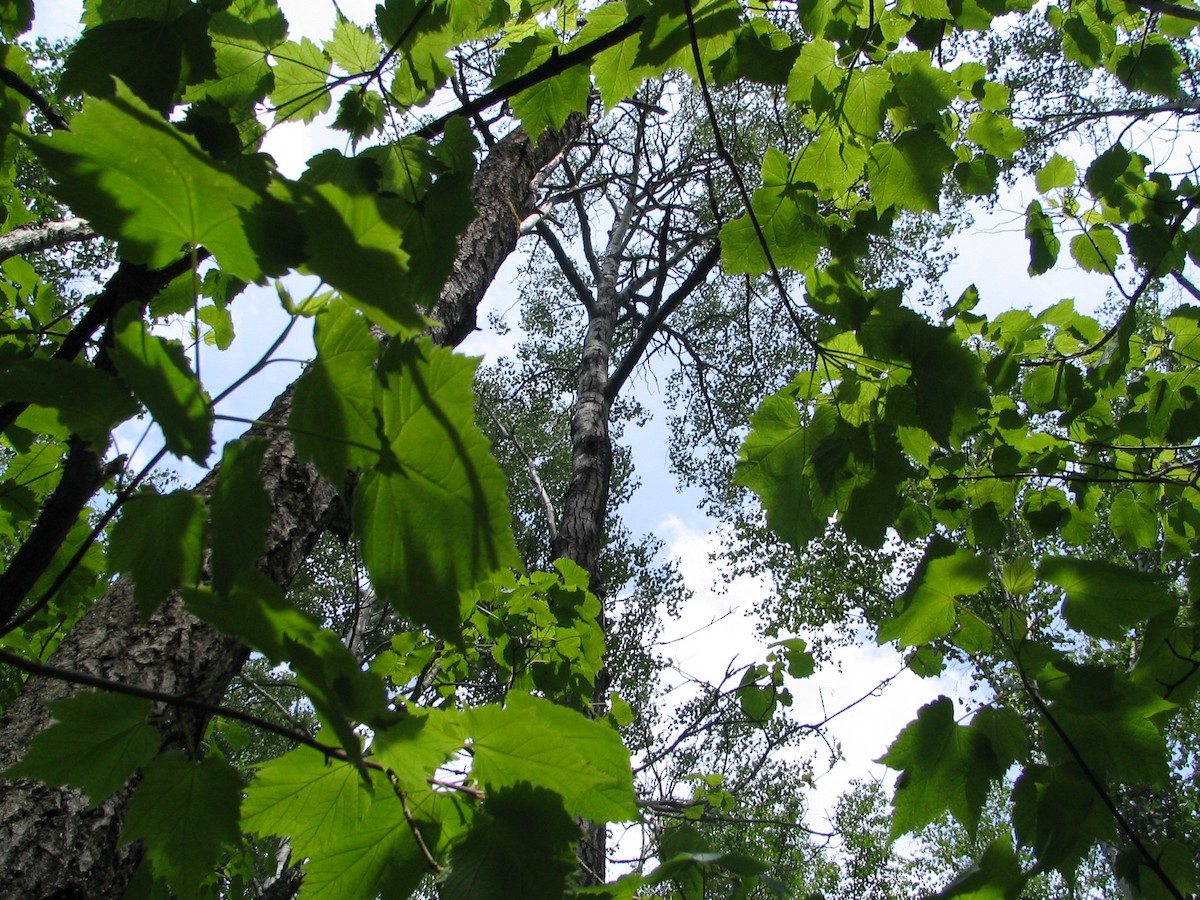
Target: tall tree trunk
{"points": [[53, 845], [585, 507]]}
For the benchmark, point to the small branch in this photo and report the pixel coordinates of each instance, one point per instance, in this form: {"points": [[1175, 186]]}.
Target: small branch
{"points": [[555, 65], [176, 700], [34, 96], [651, 326], [41, 236], [1148, 858], [531, 467], [735, 173], [83, 474], [266, 695], [1169, 9], [566, 265], [430, 862]]}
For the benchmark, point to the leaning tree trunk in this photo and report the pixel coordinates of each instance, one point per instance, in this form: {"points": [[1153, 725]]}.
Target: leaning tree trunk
{"points": [[53, 845]]}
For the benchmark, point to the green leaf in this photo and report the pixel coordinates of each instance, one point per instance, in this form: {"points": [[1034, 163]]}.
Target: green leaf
{"points": [[926, 91], [243, 34], [1058, 814], [997, 875], [616, 71], [908, 172], [181, 53], [787, 215], [87, 401], [1043, 244], [520, 845], [333, 417], [417, 746], [927, 609], [301, 73], [995, 134], [16, 17], [815, 76], [140, 181], [1150, 64], [425, 64], [926, 662], [1133, 522], [775, 463], [1111, 721], [1058, 172], [355, 239], [377, 857], [944, 767], [1097, 249], [800, 661], [186, 813], [547, 104], [159, 541], [306, 798], [1103, 599], [433, 515], [947, 379], [863, 108], [549, 746], [361, 113], [353, 47], [240, 510], [757, 703], [1017, 576], [96, 742], [831, 163], [220, 321], [1184, 325], [861, 470], [158, 372]]}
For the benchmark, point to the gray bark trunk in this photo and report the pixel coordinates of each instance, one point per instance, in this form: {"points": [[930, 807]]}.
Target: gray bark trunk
{"points": [[585, 506], [53, 846]]}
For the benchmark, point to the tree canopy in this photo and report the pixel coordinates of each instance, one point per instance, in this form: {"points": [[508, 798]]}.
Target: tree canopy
{"points": [[203, 697]]}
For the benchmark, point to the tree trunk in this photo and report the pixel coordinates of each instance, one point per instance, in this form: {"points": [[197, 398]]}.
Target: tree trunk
{"points": [[585, 507], [53, 845]]}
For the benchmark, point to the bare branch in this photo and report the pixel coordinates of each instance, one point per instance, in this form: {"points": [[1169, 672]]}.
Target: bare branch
{"points": [[534, 476], [653, 322]]}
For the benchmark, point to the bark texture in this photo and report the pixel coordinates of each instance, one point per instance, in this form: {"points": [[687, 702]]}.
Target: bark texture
{"points": [[52, 845], [29, 238], [585, 506]]}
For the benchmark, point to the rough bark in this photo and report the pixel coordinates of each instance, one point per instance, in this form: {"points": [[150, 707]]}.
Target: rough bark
{"points": [[585, 506], [53, 846], [42, 236]]}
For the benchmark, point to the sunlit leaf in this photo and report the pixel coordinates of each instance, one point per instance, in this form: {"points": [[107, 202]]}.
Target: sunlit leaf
{"points": [[927, 610], [1103, 599], [142, 182], [301, 71], [159, 541], [550, 746], [159, 374], [433, 514], [310, 800], [186, 813]]}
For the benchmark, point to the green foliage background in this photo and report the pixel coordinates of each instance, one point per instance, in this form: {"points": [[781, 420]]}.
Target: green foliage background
{"points": [[1039, 468]]}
